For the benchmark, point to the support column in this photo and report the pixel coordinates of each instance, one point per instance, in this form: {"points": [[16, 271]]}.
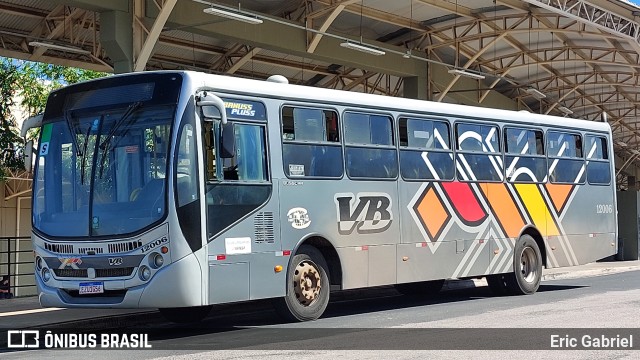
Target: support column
{"points": [[116, 36], [417, 87]]}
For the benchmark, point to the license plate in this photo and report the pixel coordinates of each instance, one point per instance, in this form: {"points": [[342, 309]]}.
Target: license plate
{"points": [[91, 288]]}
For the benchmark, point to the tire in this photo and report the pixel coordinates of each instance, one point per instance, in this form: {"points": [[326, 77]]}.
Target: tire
{"points": [[308, 286], [184, 315], [421, 288], [527, 267]]}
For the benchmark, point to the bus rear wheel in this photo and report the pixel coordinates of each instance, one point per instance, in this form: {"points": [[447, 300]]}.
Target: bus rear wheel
{"points": [[527, 270], [183, 315], [307, 286], [527, 267], [420, 289]]}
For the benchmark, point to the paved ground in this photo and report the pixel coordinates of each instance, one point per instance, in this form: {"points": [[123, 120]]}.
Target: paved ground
{"points": [[592, 269], [572, 300], [26, 312]]}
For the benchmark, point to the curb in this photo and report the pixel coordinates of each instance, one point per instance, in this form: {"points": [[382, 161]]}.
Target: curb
{"points": [[551, 274]]}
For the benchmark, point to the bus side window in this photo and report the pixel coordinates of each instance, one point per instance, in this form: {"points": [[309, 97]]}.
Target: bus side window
{"points": [[311, 143], [425, 150], [249, 163], [370, 150], [566, 159], [598, 167], [524, 155], [478, 152]]}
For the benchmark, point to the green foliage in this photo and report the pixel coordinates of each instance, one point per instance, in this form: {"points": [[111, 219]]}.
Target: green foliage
{"points": [[33, 82], [10, 141]]}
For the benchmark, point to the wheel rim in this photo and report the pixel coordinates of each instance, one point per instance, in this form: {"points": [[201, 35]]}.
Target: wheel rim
{"points": [[529, 265], [306, 283]]}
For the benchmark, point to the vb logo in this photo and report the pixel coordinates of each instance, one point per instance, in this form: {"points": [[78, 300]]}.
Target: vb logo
{"points": [[367, 213]]}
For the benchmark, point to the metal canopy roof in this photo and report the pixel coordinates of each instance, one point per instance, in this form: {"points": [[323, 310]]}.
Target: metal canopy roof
{"points": [[570, 58]]}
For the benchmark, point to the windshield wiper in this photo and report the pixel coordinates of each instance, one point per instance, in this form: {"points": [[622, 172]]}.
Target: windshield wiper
{"points": [[74, 142], [72, 133], [84, 155], [106, 144]]}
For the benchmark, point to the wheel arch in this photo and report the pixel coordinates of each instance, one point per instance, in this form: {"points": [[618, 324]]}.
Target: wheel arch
{"points": [[330, 255], [537, 236]]}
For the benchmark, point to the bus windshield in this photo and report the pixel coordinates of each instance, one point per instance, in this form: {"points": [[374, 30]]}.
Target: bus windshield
{"points": [[101, 171]]}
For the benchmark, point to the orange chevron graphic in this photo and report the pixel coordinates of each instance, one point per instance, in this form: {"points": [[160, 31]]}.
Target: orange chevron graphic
{"points": [[432, 212], [505, 202], [504, 208], [559, 194]]}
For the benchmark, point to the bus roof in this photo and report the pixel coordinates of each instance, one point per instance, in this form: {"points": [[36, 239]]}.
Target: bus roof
{"points": [[347, 98], [381, 102]]}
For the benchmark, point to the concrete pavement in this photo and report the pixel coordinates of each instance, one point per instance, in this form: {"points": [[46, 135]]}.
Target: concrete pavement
{"points": [[592, 269], [26, 311]]}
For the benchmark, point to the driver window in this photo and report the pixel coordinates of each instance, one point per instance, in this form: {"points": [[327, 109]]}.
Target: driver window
{"points": [[249, 162], [186, 174]]}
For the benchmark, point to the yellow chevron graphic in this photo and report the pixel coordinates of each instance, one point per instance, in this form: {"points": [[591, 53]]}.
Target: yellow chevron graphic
{"points": [[537, 208]]}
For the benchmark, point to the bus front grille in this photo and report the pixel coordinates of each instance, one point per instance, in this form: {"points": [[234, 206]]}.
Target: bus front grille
{"points": [[100, 273], [114, 272]]}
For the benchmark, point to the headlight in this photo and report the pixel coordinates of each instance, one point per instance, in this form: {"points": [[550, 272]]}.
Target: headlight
{"points": [[39, 263], [156, 260], [46, 274], [144, 272]]}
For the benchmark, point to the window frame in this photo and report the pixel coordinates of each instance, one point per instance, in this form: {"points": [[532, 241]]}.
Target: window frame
{"points": [[550, 158], [496, 154], [506, 154], [393, 146], [327, 143], [407, 148], [606, 160], [262, 125], [569, 132]]}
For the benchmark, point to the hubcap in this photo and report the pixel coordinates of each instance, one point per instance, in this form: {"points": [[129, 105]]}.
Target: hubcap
{"points": [[306, 283], [529, 264]]}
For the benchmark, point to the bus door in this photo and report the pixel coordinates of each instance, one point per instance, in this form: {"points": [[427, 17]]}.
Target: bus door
{"points": [[241, 227]]}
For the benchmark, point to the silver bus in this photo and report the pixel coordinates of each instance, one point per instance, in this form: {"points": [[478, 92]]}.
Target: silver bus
{"points": [[181, 190]]}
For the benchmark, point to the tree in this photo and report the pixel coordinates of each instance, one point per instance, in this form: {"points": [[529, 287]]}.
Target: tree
{"points": [[33, 82], [10, 141]]}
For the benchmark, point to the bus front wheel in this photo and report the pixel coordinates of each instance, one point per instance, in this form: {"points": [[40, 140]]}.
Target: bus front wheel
{"points": [[307, 286]]}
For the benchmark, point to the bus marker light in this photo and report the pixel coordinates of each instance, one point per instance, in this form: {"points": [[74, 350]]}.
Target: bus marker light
{"points": [[164, 249], [496, 252], [362, 248], [221, 257], [405, 258], [286, 253], [277, 268]]}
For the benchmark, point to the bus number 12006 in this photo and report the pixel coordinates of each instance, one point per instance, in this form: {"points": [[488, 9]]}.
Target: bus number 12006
{"points": [[604, 209]]}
